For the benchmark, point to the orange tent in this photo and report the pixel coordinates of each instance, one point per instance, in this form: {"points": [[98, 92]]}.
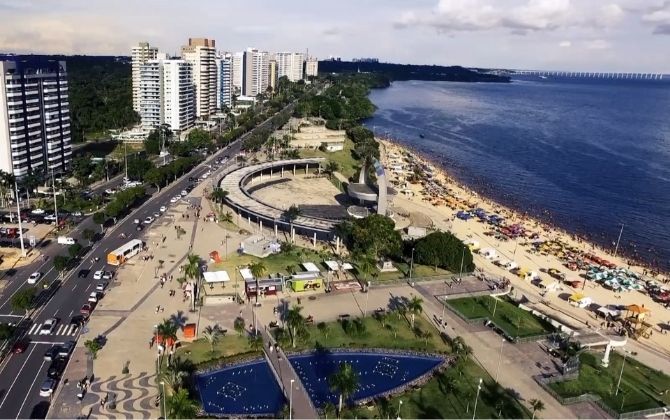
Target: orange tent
{"points": [[636, 309], [189, 331]]}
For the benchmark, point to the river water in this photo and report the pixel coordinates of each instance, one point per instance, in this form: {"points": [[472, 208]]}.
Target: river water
{"points": [[586, 154]]}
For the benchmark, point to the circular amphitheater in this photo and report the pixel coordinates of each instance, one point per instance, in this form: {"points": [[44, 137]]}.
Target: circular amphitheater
{"points": [[261, 193]]}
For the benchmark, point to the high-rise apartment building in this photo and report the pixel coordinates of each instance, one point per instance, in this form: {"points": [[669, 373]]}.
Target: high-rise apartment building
{"points": [[178, 95], [272, 75], [167, 94], [201, 53], [238, 72], [290, 64], [224, 78], [312, 67], [34, 116], [140, 54], [255, 72]]}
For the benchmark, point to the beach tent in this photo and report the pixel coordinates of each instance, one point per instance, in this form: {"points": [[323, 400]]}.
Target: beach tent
{"points": [[531, 275], [549, 285], [511, 265], [488, 253], [605, 311], [580, 300], [216, 276]]}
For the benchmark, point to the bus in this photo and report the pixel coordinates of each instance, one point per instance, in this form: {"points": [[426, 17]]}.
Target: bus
{"points": [[121, 254]]}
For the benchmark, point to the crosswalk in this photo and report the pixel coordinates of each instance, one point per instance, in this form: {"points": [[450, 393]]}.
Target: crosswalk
{"points": [[67, 330]]}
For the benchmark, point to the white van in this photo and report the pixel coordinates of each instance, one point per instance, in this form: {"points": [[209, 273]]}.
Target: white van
{"points": [[66, 240]]}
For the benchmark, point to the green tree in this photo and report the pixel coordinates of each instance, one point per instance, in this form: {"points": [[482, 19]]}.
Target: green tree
{"points": [[213, 334], [23, 299], [181, 406], [536, 405], [192, 272], [295, 322], [330, 168], [415, 307], [61, 262], [292, 213], [324, 329], [444, 250], [74, 250], [255, 342], [167, 330], [226, 217], [375, 234], [257, 270], [6, 331], [89, 235], [93, 347], [238, 325], [365, 263], [99, 218], [138, 167], [345, 382]]}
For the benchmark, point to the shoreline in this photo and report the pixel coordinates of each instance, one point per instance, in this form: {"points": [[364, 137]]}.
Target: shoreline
{"points": [[540, 223], [533, 216]]}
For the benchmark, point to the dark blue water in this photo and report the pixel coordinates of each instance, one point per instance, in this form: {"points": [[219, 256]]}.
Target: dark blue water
{"points": [[248, 389], [586, 155], [378, 373]]}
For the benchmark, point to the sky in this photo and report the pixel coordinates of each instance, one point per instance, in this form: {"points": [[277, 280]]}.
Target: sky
{"points": [[578, 35]]}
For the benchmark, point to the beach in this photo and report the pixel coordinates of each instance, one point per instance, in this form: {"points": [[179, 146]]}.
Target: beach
{"points": [[441, 205]]}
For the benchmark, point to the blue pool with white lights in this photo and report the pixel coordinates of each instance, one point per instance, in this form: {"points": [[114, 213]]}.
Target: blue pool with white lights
{"points": [[251, 388]]}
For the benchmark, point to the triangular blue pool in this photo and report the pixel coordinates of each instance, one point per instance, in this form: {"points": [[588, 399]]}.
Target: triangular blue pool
{"points": [[245, 389], [378, 372]]}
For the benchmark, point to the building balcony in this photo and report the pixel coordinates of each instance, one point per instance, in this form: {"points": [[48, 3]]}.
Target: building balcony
{"points": [[16, 120], [53, 136], [32, 101], [17, 154], [20, 160], [36, 148]]}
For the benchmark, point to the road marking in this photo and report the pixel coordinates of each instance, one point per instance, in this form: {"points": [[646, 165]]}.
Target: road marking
{"points": [[70, 316], [12, 315], [30, 390], [9, 390], [60, 328], [75, 286], [52, 343], [89, 286], [35, 327], [55, 313]]}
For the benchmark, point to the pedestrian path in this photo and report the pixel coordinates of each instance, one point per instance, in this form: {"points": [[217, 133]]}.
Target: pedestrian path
{"points": [[65, 330]]}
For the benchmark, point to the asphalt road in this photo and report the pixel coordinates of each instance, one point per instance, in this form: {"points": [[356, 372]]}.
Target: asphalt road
{"points": [[22, 375]]}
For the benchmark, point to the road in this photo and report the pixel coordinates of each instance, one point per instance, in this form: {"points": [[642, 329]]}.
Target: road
{"points": [[22, 375]]}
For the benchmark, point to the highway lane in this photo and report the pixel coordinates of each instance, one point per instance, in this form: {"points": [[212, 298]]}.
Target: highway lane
{"points": [[23, 395]]}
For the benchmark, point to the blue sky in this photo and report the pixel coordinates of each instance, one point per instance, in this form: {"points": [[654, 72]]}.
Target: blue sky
{"points": [[587, 35]]}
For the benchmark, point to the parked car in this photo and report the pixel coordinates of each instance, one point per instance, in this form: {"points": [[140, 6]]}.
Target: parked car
{"points": [[83, 273], [97, 275], [100, 287], [47, 387], [34, 278], [49, 326], [184, 193], [139, 228], [107, 275], [136, 221], [56, 368], [77, 320], [86, 309], [66, 349], [148, 220], [157, 215], [51, 353], [93, 297], [163, 209]]}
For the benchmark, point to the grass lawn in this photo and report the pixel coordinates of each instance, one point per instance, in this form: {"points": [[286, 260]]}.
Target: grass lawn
{"points": [[513, 320], [348, 165], [449, 394], [200, 351], [641, 387], [417, 271]]}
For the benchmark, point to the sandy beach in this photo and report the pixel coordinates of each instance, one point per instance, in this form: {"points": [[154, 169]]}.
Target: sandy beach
{"points": [[442, 205]]}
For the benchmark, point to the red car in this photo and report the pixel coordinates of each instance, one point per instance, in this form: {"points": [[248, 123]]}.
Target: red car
{"points": [[87, 309], [20, 346]]}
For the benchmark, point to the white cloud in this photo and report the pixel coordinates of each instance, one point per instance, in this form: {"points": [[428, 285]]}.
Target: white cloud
{"points": [[659, 17], [565, 44], [598, 44]]}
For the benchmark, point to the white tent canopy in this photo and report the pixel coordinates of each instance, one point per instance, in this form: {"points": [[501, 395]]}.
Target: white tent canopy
{"points": [[246, 274], [334, 265], [310, 267], [216, 276]]}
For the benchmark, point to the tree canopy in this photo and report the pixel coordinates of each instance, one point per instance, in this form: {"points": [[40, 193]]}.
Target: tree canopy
{"points": [[374, 234], [444, 250]]}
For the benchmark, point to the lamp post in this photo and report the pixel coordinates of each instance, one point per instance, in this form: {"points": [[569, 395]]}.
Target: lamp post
{"points": [[367, 298], [411, 264], [164, 403], [460, 273], [18, 213], [618, 384], [290, 401], [399, 406], [479, 388], [53, 185], [444, 303], [500, 359]]}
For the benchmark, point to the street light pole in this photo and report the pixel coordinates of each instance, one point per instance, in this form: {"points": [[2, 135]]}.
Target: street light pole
{"points": [[290, 401], [367, 297], [164, 402], [460, 275], [399, 405], [500, 359], [618, 384], [444, 303], [53, 185], [479, 388], [411, 264], [18, 212]]}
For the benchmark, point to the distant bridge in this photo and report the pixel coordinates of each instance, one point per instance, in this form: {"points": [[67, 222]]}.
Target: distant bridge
{"points": [[584, 74]]}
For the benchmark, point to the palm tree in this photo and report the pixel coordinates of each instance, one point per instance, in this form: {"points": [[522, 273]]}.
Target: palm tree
{"points": [[344, 382], [167, 331], [257, 270], [291, 214], [324, 328], [365, 263], [330, 168], [295, 322], [536, 405], [227, 217], [181, 406], [179, 319], [218, 195], [192, 271], [415, 307], [6, 185], [255, 342], [212, 333], [174, 378]]}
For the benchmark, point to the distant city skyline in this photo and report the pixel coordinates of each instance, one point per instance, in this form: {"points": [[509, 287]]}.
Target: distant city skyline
{"points": [[582, 35]]}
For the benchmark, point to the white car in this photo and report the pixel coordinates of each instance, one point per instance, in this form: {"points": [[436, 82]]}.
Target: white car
{"points": [[174, 199], [149, 220], [110, 191], [48, 326], [100, 287], [157, 215], [50, 217], [93, 297], [97, 275], [136, 221], [38, 211], [163, 209], [34, 278], [184, 193], [107, 275]]}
